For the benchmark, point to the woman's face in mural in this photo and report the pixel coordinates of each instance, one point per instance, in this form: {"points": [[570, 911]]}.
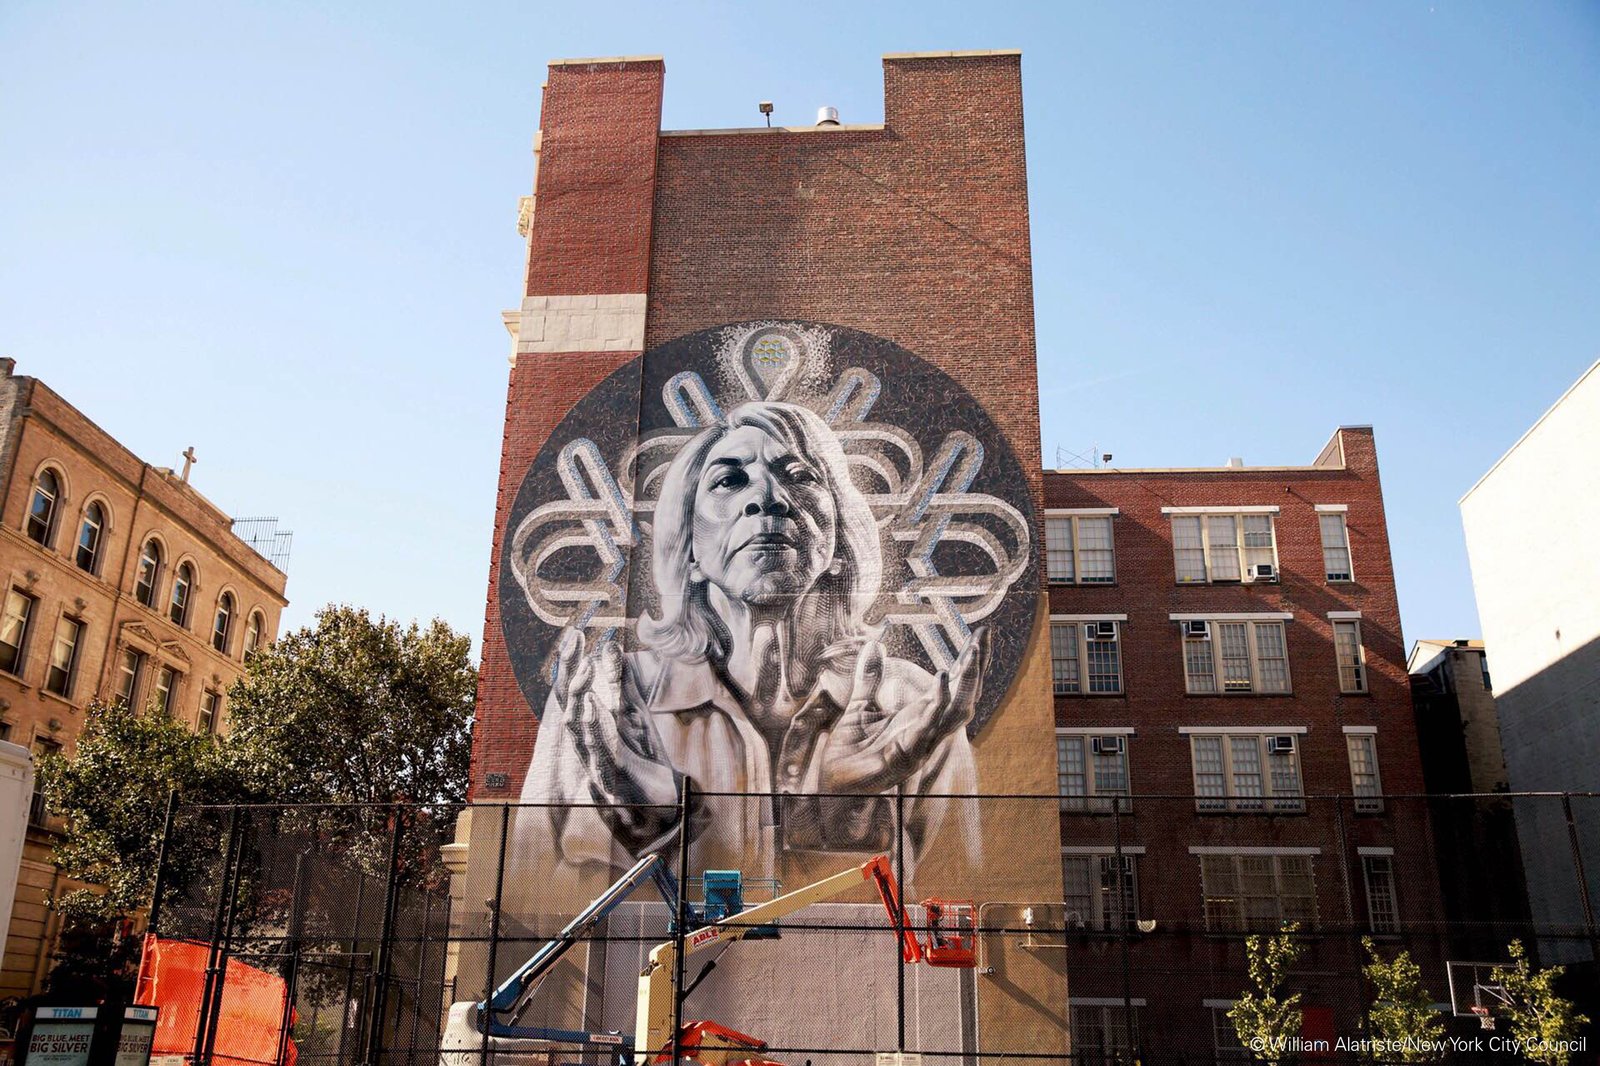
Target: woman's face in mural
{"points": [[765, 521]]}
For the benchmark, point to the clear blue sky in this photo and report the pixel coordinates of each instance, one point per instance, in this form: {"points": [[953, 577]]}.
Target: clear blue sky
{"points": [[283, 233]]}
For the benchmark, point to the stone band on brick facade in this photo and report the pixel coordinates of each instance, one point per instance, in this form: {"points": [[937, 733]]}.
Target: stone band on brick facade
{"points": [[600, 323]]}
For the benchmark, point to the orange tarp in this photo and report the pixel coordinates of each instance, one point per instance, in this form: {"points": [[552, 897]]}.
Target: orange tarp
{"points": [[172, 976]]}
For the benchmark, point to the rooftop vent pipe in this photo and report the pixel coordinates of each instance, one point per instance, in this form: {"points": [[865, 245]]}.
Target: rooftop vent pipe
{"points": [[827, 116]]}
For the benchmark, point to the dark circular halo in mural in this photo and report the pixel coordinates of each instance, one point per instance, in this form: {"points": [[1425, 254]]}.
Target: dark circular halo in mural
{"points": [[931, 533]]}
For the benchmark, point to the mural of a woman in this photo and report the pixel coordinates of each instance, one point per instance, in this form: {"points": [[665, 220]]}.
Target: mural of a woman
{"points": [[758, 673]]}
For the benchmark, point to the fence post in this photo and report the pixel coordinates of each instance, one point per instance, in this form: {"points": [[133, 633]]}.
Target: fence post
{"points": [[680, 931], [487, 1021], [158, 890], [900, 912], [291, 978], [350, 965], [1583, 879], [216, 961], [380, 984], [1135, 1037]]}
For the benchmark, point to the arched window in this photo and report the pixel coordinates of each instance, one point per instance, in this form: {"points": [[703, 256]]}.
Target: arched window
{"points": [[144, 588], [252, 632], [94, 524], [182, 585], [42, 511], [219, 629]]}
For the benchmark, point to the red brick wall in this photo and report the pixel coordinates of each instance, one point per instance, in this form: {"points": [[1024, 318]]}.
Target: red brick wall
{"points": [[590, 235], [917, 232]]}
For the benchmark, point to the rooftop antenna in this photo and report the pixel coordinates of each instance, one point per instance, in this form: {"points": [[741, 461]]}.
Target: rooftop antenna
{"points": [[1091, 459]]}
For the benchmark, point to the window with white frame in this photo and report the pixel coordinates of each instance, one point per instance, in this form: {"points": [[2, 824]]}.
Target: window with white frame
{"points": [[1091, 768], [166, 694], [210, 711], [1251, 892], [1085, 657], [1235, 656], [1335, 547], [1349, 654], [1101, 1034], [1364, 782], [1096, 895], [1224, 547], [63, 667], [1079, 549], [1377, 874], [182, 585], [14, 629], [129, 668], [1247, 772]]}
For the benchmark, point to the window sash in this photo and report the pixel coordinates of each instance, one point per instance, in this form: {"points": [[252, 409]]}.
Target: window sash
{"points": [[1102, 1035], [209, 704], [144, 589], [14, 630], [1239, 657], [1350, 656], [220, 627], [1086, 780], [42, 510], [1092, 890], [1065, 670], [1222, 547], [1246, 893], [1079, 664], [1377, 874], [252, 634], [1365, 783], [1235, 772], [1335, 547], [166, 688], [178, 611], [1080, 550], [87, 555], [128, 671], [63, 656]]}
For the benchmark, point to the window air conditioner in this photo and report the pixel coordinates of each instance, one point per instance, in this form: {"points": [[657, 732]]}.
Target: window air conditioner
{"points": [[1100, 631], [1197, 630], [1111, 745], [1280, 745], [1263, 572]]}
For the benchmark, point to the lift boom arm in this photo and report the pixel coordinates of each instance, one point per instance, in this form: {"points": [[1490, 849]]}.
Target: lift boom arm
{"points": [[655, 1009]]}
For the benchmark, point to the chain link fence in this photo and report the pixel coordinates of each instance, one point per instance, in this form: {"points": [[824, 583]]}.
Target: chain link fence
{"points": [[1095, 929]]}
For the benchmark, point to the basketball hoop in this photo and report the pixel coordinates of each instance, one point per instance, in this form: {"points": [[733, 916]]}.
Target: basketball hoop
{"points": [[1485, 1019]]}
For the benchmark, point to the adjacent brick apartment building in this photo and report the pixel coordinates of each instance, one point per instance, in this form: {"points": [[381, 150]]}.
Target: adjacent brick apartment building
{"points": [[122, 582], [1226, 647]]}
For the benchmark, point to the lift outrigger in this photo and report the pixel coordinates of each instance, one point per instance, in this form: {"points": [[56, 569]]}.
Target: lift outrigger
{"points": [[492, 1024]]}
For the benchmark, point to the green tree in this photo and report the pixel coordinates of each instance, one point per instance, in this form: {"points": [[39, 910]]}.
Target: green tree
{"points": [[357, 710], [1401, 1020], [1542, 1021], [112, 796], [1266, 1019], [350, 710]]}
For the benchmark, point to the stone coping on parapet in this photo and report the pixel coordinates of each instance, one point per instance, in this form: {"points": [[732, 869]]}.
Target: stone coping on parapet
{"points": [[744, 130], [970, 53], [606, 59]]}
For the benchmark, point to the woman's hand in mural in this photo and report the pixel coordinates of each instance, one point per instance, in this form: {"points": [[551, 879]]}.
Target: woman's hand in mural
{"points": [[874, 748], [618, 747]]}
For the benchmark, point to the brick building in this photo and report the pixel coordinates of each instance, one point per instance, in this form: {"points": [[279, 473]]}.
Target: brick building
{"points": [[1225, 644], [1227, 648], [122, 582]]}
